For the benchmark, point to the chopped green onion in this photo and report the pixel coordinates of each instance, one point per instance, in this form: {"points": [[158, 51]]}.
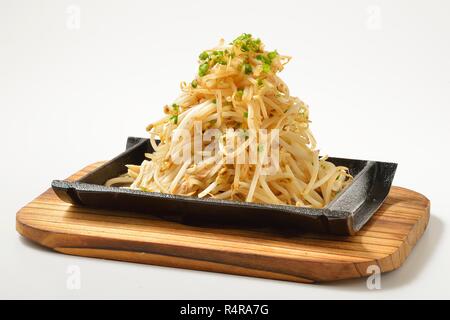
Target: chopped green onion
{"points": [[260, 148], [248, 68], [240, 92], [243, 36], [194, 84], [245, 134], [174, 118], [266, 68], [264, 59], [260, 82], [272, 54], [246, 43], [203, 69], [175, 107], [204, 55], [245, 114]]}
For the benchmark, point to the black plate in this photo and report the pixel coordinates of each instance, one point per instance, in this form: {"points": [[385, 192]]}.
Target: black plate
{"points": [[345, 215]]}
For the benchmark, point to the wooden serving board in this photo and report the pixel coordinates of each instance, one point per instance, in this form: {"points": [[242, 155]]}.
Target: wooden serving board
{"points": [[386, 240]]}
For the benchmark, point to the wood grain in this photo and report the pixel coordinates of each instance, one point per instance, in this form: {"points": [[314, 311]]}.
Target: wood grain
{"points": [[386, 240]]}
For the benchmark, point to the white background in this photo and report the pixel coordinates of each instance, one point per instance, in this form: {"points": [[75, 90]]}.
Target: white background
{"points": [[376, 75]]}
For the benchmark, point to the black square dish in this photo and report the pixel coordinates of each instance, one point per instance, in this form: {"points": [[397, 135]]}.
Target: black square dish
{"points": [[345, 215]]}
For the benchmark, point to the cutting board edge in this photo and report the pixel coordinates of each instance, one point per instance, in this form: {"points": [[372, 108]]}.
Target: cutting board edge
{"points": [[389, 262]]}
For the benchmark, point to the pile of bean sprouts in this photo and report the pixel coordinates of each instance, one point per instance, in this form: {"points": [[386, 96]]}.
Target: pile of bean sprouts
{"points": [[237, 87]]}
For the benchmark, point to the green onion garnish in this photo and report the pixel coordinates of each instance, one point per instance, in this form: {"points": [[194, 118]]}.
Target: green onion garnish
{"points": [[203, 69], [260, 148], [174, 118], [266, 68], [248, 68], [272, 54], [203, 56]]}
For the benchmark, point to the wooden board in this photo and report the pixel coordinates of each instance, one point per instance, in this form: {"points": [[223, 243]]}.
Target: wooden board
{"points": [[385, 241]]}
